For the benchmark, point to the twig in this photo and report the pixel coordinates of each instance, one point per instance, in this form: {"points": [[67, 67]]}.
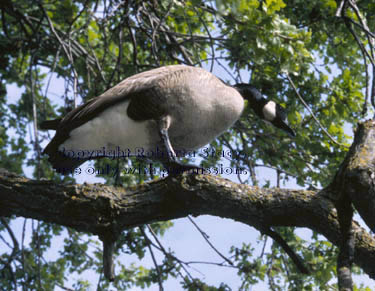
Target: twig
{"points": [[68, 52], [211, 263], [205, 236], [153, 259], [210, 38], [226, 69], [361, 46], [264, 247], [134, 43], [353, 5], [52, 71], [35, 118], [23, 252], [312, 113], [15, 248], [370, 39], [167, 253], [119, 57], [63, 287], [271, 281], [365, 29]]}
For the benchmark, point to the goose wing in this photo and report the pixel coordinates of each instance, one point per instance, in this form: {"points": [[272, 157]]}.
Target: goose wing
{"points": [[131, 88]]}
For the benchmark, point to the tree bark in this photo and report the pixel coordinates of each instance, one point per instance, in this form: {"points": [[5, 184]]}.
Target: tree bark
{"points": [[100, 209], [356, 176], [354, 185]]}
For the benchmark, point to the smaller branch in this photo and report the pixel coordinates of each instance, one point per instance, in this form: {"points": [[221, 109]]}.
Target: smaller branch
{"points": [[108, 14], [15, 249], [312, 113], [210, 37], [119, 58], [226, 70], [11, 233], [5, 242], [159, 22], [364, 109], [35, 118], [205, 236], [346, 254], [97, 62], [373, 87], [154, 47], [370, 39], [37, 238], [277, 178], [67, 51], [54, 31], [222, 264], [365, 29], [84, 8], [271, 281], [340, 8], [188, 37], [181, 48], [109, 241], [160, 282], [63, 287], [167, 253], [134, 44], [55, 60], [283, 244], [75, 75], [23, 253], [264, 247], [361, 46], [8, 266]]}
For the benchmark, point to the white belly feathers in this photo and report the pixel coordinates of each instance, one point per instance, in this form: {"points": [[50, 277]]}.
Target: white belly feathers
{"points": [[112, 129]]}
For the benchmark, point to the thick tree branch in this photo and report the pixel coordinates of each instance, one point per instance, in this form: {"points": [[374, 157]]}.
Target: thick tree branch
{"points": [[353, 184], [356, 176], [102, 209]]}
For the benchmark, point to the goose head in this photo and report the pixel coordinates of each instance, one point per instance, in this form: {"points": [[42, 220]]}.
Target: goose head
{"points": [[267, 110]]}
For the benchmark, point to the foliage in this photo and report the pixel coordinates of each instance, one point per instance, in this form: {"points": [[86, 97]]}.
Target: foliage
{"points": [[92, 45]]}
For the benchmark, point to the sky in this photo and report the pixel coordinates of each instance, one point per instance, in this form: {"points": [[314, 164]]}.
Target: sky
{"points": [[183, 238]]}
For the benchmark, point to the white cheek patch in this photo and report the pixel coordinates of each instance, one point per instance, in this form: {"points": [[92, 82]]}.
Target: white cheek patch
{"points": [[269, 111]]}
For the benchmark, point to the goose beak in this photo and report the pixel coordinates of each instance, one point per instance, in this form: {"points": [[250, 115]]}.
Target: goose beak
{"points": [[282, 125]]}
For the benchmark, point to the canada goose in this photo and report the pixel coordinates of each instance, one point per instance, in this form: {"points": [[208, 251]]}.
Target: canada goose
{"points": [[165, 110]]}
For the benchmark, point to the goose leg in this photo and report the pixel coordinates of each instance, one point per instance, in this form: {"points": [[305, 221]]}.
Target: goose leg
{"points": [[172, 163]]}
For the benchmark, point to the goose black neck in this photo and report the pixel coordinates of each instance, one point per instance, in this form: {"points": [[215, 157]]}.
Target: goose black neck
{"points": [[248, 92], [251, 94]]}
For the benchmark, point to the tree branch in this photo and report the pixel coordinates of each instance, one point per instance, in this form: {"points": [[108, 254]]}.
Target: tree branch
{"points": [[292, 255], [356, 175], [103, 209]]}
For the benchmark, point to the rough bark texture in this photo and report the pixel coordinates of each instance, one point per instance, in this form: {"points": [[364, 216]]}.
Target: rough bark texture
{"points": [[98, 208], [356, 176], [354, 184]]}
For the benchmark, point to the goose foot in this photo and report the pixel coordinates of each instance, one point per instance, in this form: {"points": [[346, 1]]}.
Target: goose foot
{"points": [[175, 168]]}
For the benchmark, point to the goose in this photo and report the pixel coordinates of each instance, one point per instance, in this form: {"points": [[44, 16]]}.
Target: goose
{"points": [[163, 111]]}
